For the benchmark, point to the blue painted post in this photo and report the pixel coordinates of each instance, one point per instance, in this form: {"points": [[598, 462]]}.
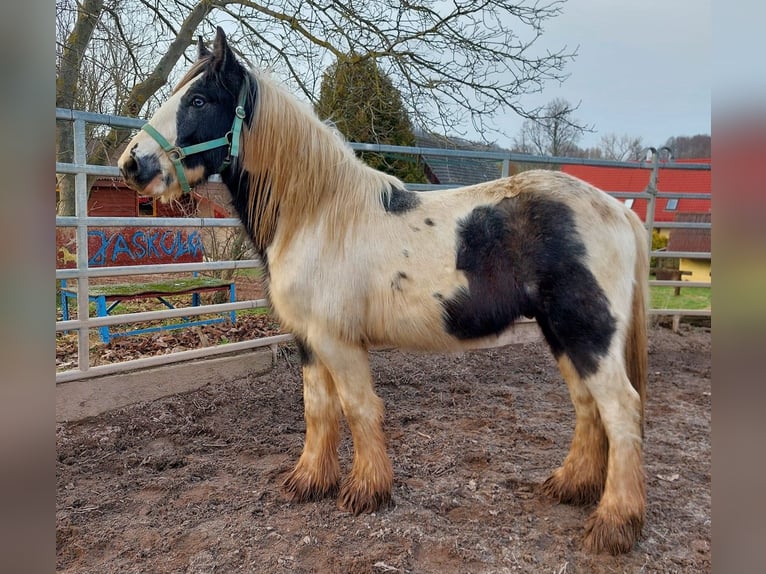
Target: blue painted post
{"points": [[64, 302], [195, 295], [102, 312], [232, 299]]}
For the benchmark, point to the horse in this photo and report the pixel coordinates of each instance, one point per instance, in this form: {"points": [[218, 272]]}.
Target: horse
{"points": [[356, 262]]}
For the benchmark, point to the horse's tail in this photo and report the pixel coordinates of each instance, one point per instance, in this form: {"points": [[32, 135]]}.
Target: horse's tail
{"points": [[636, 343]]}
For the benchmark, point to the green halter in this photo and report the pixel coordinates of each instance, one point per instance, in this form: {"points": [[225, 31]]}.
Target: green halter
{"points": [[177, 154]]}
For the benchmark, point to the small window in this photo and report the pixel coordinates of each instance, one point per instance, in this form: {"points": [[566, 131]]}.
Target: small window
{"points": [[672, 205], [146, 207], [629, 202]]}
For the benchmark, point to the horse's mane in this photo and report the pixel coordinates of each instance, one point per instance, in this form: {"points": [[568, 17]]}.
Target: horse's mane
{"points": [[301, 168]]}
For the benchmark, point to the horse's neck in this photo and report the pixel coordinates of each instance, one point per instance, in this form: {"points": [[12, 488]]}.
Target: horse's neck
{"points": [[299, 170]]}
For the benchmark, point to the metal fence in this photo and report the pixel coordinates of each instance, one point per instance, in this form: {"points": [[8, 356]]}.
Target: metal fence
{"points": [[82, 222]]}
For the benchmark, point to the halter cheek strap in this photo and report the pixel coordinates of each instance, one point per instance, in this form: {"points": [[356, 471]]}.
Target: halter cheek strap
{"points": [[231, 139]]}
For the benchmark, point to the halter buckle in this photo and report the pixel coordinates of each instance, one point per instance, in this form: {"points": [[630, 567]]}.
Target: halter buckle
{"points": [[176, 154]]}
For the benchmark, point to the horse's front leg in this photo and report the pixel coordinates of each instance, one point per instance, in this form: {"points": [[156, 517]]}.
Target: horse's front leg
{"points": [[317, 473], [368, 486]]}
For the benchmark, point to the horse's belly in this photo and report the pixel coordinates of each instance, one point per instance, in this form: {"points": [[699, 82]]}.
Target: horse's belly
{"points": [[521, 331], [426, 331]]}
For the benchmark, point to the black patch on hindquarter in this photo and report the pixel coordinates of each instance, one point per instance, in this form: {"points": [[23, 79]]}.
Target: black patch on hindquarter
{"points": [[400, 200], [305, 352], [524, 256]]}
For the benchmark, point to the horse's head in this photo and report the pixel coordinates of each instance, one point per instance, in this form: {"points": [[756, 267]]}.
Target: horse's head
{"points": [[196, 132]]}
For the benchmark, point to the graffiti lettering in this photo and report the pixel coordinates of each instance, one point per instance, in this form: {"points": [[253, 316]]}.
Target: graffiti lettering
{"points": [[137, 246]]}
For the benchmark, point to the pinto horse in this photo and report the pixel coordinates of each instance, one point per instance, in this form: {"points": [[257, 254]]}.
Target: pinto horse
{"points": [[356, 261]]}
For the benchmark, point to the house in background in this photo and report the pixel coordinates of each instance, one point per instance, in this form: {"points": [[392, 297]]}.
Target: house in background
{"points": [[133, 245], [467, 171], [695, 241], [669, 180], [110, 197], [446, 170]]}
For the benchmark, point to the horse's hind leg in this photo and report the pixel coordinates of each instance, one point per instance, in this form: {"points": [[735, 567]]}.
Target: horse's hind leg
{"points": [[616, 523], [581, 477], [368, 486], [317, 473]]}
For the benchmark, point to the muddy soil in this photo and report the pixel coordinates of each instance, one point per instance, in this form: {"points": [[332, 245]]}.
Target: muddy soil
{"points": [[191, 483]]}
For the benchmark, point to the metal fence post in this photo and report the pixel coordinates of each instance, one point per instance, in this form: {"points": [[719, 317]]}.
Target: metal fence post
{"points": [[651, 189]]}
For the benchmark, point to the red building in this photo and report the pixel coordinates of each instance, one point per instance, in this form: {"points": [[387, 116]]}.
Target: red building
{"points": [[110, 197], [669, 180]]}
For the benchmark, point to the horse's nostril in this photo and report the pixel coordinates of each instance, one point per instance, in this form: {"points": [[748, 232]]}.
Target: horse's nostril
{"points": [[129, 166]]}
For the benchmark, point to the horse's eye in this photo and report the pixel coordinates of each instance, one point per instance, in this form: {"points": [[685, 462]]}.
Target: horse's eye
{"points": [[197, 102]]}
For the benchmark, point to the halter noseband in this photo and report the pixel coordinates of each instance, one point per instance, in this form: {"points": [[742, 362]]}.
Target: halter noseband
{"points": [[231, 139]]}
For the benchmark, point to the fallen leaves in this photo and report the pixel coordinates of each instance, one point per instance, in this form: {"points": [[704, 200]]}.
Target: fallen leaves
{"points": [[130, 347]]}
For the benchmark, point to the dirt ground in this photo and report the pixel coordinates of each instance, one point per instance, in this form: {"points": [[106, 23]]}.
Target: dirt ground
{"points": [[191, 484]]}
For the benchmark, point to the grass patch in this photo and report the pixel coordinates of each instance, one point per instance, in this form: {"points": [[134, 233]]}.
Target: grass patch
{"points": [[252, 272], [256, 311], [689, 298]]}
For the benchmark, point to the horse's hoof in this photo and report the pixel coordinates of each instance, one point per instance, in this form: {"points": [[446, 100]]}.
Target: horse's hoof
{"points": [[298, 487], [361, 500], [569, 491], [607, 532]]}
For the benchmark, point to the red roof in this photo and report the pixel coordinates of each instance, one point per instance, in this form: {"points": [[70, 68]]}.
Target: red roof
{"points": [[626, 179]]}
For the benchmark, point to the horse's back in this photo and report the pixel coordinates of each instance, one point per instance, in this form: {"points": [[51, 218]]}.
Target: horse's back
{"points": [[457, 268]]}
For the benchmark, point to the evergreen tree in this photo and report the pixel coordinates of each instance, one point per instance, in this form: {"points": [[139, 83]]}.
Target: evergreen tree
{"points": [[363, 104]]}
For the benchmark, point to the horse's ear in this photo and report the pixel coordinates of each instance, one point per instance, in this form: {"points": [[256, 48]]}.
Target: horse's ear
{"points": [[202, 50], [222, 54]]}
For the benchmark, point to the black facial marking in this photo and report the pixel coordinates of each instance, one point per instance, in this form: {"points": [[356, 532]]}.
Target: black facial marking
{"points": [[168, 179], [525, 257], [400, 200], [212, 120], [429, 221], [206, 111], [150, 168]]}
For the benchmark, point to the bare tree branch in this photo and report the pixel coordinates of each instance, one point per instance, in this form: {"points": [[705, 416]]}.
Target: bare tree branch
{"points": [[452, 62], [555, 132]]}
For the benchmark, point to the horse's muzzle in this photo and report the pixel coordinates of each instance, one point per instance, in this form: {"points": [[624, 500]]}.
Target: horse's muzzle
{"points": [[139, 172]]}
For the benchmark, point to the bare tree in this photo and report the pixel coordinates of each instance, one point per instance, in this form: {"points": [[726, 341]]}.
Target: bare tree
{"points": [[122, 26], [696, 147], [555, 132], [70, 54], [621, 148], [451, 62]]}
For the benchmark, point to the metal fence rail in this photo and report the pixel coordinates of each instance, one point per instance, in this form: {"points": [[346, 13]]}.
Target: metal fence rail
{"points": [[83, 273]]}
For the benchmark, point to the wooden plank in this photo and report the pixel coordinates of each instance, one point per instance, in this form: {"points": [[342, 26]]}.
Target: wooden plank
{"points": [[177, 286], [81, 399]]}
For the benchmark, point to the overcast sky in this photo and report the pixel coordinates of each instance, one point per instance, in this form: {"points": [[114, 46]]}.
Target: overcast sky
{"points": [[643, 69]]}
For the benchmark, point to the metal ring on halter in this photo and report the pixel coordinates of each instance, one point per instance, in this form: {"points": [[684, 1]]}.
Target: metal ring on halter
{"points": [[176, 154]]}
